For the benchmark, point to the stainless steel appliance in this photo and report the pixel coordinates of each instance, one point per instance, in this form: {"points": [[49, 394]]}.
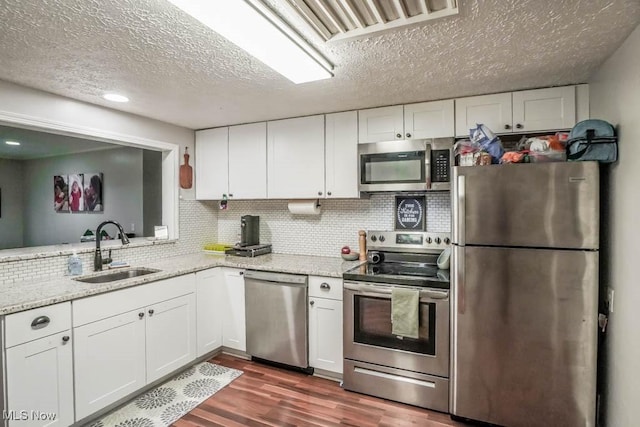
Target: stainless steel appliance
{"points": [[249, 230], [378, 362], [525, 293], [276, 315], [409, 165], [249, 251]]}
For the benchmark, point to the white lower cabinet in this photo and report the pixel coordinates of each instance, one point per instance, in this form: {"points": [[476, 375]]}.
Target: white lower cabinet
{"points": [[234, 330], [170, 336], [40, 382], [210, 290], [325, 323], [117, 353], [109, 361], [38, 366]]}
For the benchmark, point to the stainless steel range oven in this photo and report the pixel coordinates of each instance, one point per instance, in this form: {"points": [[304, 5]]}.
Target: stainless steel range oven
{"points": [[379, 362]]}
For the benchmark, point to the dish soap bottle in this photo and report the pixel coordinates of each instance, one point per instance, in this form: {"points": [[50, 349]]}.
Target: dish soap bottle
{"points": [[75, 264]]}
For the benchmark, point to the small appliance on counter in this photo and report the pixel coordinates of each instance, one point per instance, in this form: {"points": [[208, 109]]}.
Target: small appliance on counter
{"points": [[249, 230], [249, 245]]}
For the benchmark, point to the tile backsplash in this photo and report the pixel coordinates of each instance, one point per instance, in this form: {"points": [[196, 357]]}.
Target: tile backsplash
{"points": [[335, 227], [203, 222]]}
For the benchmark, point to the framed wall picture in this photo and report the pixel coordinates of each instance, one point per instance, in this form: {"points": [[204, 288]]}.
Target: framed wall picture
{"points": [[76, 193], [410, 213], [92, 192], [61, 193]]}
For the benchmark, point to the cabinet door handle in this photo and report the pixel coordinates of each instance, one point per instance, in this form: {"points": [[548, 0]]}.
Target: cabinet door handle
{"points": [[312, 302], [151, 311], [507, 127], [398, 135], [241, 273], [328, 193], [230, 195], [141, 314], [408, 135], [319, 193], [40, 322], [325, 285], [519, 126], [65, 339]]}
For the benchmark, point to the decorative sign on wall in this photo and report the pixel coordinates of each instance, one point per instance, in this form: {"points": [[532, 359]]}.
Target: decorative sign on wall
{"points": [[410, 213], [81, 192]]}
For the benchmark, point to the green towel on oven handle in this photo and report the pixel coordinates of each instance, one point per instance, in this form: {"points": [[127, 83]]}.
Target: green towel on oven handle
{"points": [[405, 312]]}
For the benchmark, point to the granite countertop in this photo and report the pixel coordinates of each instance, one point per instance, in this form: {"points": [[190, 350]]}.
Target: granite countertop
{"points": [[26, 295]]}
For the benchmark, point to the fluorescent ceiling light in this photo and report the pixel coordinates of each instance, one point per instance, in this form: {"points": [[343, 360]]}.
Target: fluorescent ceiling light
{"points": [[115, 97], [254, 28], [12, 142]]}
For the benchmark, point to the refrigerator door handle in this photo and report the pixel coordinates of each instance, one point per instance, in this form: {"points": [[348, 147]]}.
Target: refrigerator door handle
{"points": [[459, 278], [459, 211]]}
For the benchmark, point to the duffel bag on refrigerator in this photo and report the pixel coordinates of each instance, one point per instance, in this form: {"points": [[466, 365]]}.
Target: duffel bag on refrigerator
{"points": [[592, 140]]}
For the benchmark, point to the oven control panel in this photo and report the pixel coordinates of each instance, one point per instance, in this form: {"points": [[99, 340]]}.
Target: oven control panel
{"points": [[411, 240]]}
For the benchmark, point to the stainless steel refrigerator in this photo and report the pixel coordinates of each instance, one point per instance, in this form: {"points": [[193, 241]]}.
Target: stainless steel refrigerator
{"points": [[525, 293]]}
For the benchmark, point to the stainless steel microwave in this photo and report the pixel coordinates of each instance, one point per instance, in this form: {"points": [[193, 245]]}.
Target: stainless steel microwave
{"points": [[408, 165]]}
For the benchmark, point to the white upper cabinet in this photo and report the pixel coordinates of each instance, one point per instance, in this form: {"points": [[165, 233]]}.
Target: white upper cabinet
{"points": [[544, 109], [341, 155], [524, 111], [212, 163], [412, 121], [380, 124], [295, 158], [429, 120], [494, 111], [248, 161]]}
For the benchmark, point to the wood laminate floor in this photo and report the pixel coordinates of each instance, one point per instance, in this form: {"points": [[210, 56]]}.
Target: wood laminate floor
{"points": [[268, 396]]}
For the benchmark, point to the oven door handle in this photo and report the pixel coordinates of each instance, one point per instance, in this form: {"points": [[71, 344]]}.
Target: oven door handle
{"points": [[385, 291]]}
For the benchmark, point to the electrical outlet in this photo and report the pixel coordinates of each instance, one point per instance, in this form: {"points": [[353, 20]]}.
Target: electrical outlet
{"points": [[610, 295]]}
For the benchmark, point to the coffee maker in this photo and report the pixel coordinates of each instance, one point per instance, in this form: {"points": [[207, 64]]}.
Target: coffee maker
{"points": [[249, 230]]}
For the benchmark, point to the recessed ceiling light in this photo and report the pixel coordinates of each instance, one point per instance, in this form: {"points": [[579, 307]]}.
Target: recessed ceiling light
{"points": [[12, 142], [115, 97]]}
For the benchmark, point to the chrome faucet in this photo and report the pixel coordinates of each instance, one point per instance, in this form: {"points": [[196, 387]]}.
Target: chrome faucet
{"points": [[97, 259]]}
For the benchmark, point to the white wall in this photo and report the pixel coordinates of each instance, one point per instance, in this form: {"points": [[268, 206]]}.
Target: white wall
{"points": [[121, 195], [615, 97], [11, 222]]}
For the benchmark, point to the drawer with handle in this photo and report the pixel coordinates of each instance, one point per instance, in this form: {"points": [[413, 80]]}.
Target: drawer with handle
{"points": [[325, 287], [37, 323]]}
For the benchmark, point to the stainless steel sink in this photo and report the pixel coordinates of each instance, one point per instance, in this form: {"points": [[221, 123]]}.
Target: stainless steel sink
{"points": [[117, 275]]}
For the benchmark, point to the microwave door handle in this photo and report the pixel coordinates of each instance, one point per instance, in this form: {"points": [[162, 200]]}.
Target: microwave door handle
{"points": [[427, 165]]}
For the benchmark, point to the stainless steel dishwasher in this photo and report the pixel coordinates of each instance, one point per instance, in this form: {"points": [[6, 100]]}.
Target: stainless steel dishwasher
{"points": [[276, 314]]}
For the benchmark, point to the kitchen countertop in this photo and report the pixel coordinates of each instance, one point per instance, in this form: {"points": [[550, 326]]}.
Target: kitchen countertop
{"points": [[20, 296]]}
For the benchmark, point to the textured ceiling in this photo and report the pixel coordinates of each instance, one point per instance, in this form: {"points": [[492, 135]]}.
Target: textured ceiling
{"points": [[180, 72]]}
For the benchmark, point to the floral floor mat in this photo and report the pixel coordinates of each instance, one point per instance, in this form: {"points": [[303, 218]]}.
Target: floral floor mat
{"points": [[161, 406]]}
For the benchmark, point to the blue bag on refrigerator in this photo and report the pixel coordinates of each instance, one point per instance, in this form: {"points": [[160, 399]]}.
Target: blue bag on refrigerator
{"points": [[488, 142], [592, 140]]}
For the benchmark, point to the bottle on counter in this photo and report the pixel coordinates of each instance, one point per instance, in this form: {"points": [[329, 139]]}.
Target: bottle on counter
{"points": [[75, 264]]}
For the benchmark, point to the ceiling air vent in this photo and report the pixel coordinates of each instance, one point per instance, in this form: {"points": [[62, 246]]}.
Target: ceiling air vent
{"points": [[344, 19]]}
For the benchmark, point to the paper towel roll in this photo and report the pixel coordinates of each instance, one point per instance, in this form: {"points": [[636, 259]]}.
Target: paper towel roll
{"points": [[304, 207]]}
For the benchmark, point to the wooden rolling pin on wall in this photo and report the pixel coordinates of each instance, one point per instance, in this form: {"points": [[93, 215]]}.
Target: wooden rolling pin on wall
{"points": [[362, 240]]}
